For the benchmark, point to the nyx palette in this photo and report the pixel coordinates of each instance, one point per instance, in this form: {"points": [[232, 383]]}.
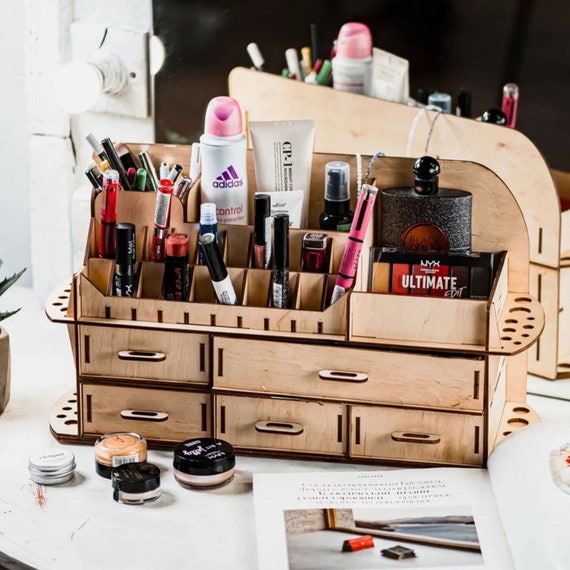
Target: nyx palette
{"points": [[433, 274]]}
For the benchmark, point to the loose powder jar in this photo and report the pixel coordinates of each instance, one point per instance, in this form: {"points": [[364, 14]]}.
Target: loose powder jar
{"points": [[204, 463], [114, 449], [52, 467], [135, 483]]}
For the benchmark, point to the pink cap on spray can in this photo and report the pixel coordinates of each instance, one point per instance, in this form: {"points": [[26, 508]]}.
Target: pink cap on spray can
{"points": [[223, 117], [354, 41]]}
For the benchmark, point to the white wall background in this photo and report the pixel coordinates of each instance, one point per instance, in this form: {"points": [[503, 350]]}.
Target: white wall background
{"points": [[58, 153], [14, 138]]}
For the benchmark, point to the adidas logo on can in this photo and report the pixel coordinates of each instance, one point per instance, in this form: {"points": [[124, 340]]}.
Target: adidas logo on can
{"points": [[228, 179]]}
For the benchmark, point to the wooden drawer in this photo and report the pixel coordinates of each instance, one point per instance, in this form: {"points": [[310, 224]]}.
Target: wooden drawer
{"points": [[349, 374], [281, 425], [416, 436], [117, 352], [164, 415]]}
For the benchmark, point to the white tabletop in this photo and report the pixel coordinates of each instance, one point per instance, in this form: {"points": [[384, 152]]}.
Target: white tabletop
{"points": [[78, 525]]}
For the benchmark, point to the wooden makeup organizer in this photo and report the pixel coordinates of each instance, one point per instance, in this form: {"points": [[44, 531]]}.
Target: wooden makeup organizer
{"points": [[349, 123], [379, 378]]}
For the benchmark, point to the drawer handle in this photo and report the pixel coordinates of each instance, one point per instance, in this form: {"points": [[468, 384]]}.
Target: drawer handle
{"points": [[142, 355], [145, 415], [343, 376], [410, 437], [279, 427]]}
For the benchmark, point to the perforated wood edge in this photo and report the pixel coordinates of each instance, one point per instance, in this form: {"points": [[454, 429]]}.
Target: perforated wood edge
{"points": [[59, 304], [63, 421], [516, 415]]}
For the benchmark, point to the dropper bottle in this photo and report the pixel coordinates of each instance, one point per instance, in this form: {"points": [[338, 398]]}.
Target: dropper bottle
{"points": [[337, 215]]}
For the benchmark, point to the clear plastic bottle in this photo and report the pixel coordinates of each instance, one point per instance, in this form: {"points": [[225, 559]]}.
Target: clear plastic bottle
{"points": [[352, 63], [224, 171]]}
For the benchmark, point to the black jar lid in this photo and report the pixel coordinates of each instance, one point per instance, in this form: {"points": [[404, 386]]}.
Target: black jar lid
{"points": [[204, 456], [136, 477]]}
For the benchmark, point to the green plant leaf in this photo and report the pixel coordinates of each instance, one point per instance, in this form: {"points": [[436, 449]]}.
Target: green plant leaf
{"points": [[6, 314], [9, 281]]}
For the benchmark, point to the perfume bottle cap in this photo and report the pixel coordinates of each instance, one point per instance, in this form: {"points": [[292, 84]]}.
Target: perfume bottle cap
{"points": [[208, 214], [223, 117], [495, 116], [337, 175], [426, 169]]}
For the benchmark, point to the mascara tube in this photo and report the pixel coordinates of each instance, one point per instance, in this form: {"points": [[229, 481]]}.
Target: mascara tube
{"points": [[221, 281], [281, 261], [124, 278], [261, 231]]}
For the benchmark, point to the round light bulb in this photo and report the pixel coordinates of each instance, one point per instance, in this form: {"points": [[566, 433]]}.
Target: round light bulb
{"points": [[76, 86], [157, 54]]}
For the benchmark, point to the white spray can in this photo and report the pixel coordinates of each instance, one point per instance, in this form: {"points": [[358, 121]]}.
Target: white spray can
{"points": [[352, 63], [224, 170]]}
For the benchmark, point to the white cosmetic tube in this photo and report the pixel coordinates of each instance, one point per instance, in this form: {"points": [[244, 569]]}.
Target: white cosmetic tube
{"points": [[283, 157]]}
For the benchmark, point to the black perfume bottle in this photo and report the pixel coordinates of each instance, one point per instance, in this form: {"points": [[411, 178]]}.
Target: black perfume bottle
{"points": [[426, 217], [337, 215]]}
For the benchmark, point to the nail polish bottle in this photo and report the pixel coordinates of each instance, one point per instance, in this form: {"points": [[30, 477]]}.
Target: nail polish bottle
{"points": [[337, 215]]}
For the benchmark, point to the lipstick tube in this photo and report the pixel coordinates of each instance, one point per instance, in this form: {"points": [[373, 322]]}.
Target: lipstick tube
{"points": [[281, 261], [176, 280], [221, 281], [124, 278], [510, 103], [261, 231], [108, 214], [161, 219], [359, 543]]}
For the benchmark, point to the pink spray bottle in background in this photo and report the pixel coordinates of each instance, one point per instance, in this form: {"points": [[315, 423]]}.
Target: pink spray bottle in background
{"points": [[224, 171], [352, 64]]}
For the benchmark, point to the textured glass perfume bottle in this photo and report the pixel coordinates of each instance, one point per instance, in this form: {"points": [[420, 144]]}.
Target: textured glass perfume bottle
{"points": [[426, 217]]}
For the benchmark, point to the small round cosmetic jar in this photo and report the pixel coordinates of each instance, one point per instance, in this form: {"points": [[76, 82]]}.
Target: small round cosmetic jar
{"points": [[204, 463], [52, 466], [135, 483], [114, 449]]}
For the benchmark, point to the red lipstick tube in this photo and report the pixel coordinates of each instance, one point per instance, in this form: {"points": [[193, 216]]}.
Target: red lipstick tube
{"points": [[161, 219], [359, 543], [108, 214]]}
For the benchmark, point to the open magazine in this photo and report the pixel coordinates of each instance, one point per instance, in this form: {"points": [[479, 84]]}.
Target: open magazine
{"points": [[513, 515]]}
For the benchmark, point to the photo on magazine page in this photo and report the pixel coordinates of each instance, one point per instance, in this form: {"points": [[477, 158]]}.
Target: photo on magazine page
{"points": [[370, 538]]}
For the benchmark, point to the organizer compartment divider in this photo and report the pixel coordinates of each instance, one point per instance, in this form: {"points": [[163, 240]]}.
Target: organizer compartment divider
{"points": [[343, 381]]}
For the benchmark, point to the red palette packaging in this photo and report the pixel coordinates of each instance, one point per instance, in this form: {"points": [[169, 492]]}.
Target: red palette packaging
{"points": [[430, 274]]}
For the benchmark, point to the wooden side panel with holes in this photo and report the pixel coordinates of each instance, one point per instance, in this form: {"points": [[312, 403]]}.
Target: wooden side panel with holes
{"points": [[282, 425], [348, 374], [145, 355], [161, 415], [417, 436]]}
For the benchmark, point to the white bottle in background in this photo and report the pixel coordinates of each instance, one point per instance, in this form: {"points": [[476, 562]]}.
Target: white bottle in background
{"points": [[224, 170], [352, 63]]}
